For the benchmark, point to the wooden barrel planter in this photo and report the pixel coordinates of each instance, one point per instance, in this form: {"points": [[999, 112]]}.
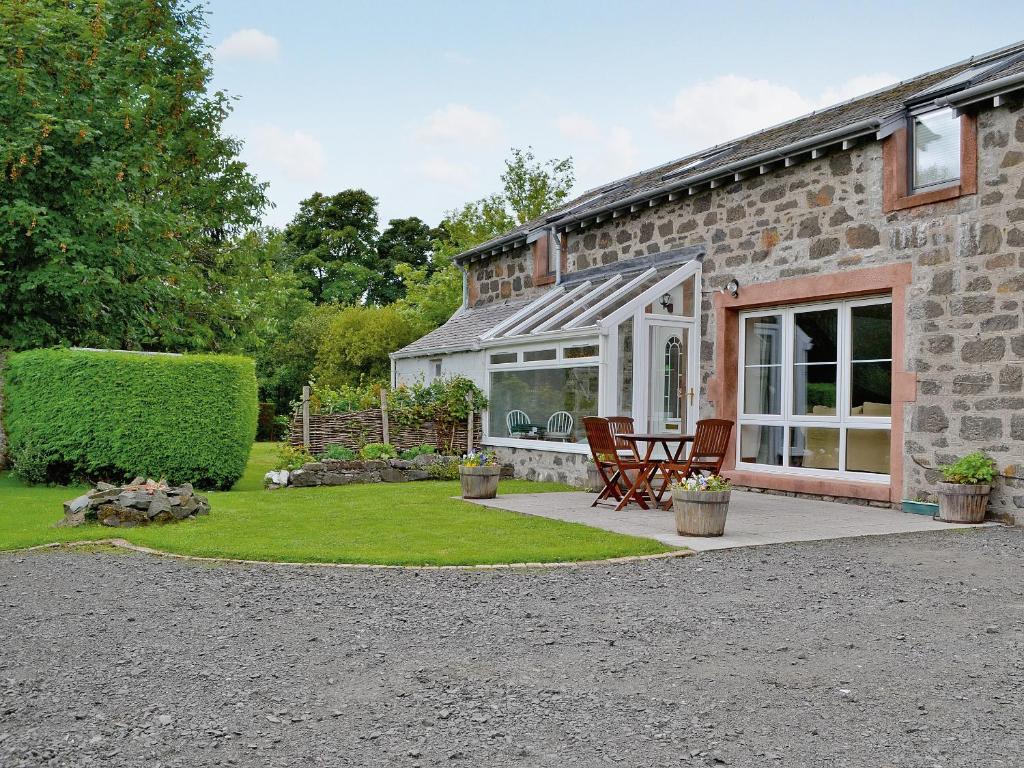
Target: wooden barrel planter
{"points": [[479, 482], [700, 513], [960, 503]]}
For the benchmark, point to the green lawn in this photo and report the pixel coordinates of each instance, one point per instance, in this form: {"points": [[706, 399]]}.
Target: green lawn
{"points": [[409, 524]]}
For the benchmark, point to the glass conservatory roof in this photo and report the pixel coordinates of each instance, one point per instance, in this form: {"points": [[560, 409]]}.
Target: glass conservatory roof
{"points": [[592, 303]]}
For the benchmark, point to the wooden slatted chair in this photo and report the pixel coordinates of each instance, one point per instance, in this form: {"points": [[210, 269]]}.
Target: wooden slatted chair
{"points": [[621, 425], [707, 454], [615, 469]]}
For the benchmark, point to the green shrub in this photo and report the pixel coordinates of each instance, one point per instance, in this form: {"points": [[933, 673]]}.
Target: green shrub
{"points": [[444, 470], [292, 457], [114, 415], [420, 450], [375, 451], [338, 453], [973, 469]]}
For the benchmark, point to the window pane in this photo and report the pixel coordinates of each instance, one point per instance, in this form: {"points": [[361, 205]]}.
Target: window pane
{"points": [[871, 332], [936, 148], [762, 391], [867, 450], [553, 253], [574, 353], [762, 340], [679, 301], [504, 357], [625, 389], [538, 354], [814, 390], [761, 444], [542, 393], [814, 336], [814, 447], [871, 389]]}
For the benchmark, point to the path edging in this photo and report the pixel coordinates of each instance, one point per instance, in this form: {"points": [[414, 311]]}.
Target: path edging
{"points": [[127, 545]]}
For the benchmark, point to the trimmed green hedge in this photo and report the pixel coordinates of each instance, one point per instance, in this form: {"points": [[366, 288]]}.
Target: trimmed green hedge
{"points": [[112, 415]]}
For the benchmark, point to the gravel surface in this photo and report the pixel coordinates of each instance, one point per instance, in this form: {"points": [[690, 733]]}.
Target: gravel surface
{"points": [[886, 651]]}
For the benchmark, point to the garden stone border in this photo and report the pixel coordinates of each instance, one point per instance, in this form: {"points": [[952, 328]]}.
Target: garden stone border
{"points": [[128, 546], [339, 472]]}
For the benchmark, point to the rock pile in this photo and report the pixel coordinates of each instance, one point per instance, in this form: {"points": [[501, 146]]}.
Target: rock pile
{"points": [[140, 502], [336, 472]]}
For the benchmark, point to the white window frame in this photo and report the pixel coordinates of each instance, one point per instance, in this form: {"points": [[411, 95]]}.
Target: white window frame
{"points": [[842, 420], [560, 362], [912, 184]]}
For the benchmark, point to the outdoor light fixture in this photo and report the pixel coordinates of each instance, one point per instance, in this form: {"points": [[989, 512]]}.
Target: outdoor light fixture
{"points": [[733, 287], [666, 302]]}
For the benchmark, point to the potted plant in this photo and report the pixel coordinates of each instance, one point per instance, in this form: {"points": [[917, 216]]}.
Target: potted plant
{"points": [[964, 495], [701, 504], [479, 473]]}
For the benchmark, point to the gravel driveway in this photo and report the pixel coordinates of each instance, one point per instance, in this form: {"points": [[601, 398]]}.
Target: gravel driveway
{"points": [[893, 651]]}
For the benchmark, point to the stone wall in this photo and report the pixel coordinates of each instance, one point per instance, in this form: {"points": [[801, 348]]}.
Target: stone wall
{"points": [[964, 336], [549, 466], [502, 277]]}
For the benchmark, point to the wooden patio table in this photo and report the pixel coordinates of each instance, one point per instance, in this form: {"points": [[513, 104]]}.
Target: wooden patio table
{"points": [[650, 466]]}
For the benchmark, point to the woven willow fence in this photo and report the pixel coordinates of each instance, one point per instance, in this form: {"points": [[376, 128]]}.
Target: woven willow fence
{"points": [[355, 429]]}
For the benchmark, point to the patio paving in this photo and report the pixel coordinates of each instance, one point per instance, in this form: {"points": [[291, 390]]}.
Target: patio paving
{"points": [[754, 519]]}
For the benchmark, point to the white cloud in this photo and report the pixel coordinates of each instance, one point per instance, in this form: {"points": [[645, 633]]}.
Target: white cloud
{"points": [[459, 124], [443, 171], [855, 86], [577, 127], [296, 154], [248, 44], [730, 106]]}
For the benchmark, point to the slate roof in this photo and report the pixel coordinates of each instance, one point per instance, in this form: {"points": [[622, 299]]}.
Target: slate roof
{"points": [[878, 105], [464, 328]]}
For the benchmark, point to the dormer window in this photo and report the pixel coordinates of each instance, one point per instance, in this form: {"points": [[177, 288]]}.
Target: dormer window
{"points": [[934, 150]]}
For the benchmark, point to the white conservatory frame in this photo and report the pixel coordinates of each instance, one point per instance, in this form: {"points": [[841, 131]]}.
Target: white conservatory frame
{"points": [[570, 316], [842, 420]]}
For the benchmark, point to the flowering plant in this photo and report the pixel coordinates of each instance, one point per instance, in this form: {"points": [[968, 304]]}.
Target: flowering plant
{"points": [[479, 459], [702, 483]]}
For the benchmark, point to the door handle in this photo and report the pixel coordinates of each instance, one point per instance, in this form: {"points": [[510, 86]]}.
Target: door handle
{"points": [[691, 394]]}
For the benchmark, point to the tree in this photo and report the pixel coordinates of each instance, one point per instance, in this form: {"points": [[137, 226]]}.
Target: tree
{"points": [[405, 243], [333, 242], [119, 185], [532, 187], [529, 188], [354, 348]]}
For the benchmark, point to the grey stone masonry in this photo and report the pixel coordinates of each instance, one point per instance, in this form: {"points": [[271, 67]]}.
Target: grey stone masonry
{"points": [[964, 325]]}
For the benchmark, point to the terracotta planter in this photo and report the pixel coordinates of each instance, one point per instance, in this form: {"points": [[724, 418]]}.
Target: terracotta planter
{"points": [[479, 482], [962, 503], [700, 513]]}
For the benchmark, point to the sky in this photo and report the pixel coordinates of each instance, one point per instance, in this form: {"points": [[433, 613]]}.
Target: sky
{"points": [[419, 103]]}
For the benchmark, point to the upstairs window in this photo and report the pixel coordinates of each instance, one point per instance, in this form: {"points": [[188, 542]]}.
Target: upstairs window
{"points": [[934, 150]]}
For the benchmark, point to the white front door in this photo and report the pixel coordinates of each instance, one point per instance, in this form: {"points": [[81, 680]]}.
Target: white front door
{"points": [[671, 377]]}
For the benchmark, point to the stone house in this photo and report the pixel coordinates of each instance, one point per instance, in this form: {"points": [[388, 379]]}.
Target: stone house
{"points": [[847, 287]]}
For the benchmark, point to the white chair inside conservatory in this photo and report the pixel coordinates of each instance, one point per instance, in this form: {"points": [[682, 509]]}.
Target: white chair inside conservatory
{"points": [[515, 418], [560, 426]]}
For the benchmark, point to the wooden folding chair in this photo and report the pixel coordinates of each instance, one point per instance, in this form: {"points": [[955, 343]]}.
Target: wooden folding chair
{"points": [[612, 466], [710, 443], [621, 425]]}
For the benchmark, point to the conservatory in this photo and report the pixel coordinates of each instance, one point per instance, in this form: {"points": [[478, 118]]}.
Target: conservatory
{"points": [[622, 339]]}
